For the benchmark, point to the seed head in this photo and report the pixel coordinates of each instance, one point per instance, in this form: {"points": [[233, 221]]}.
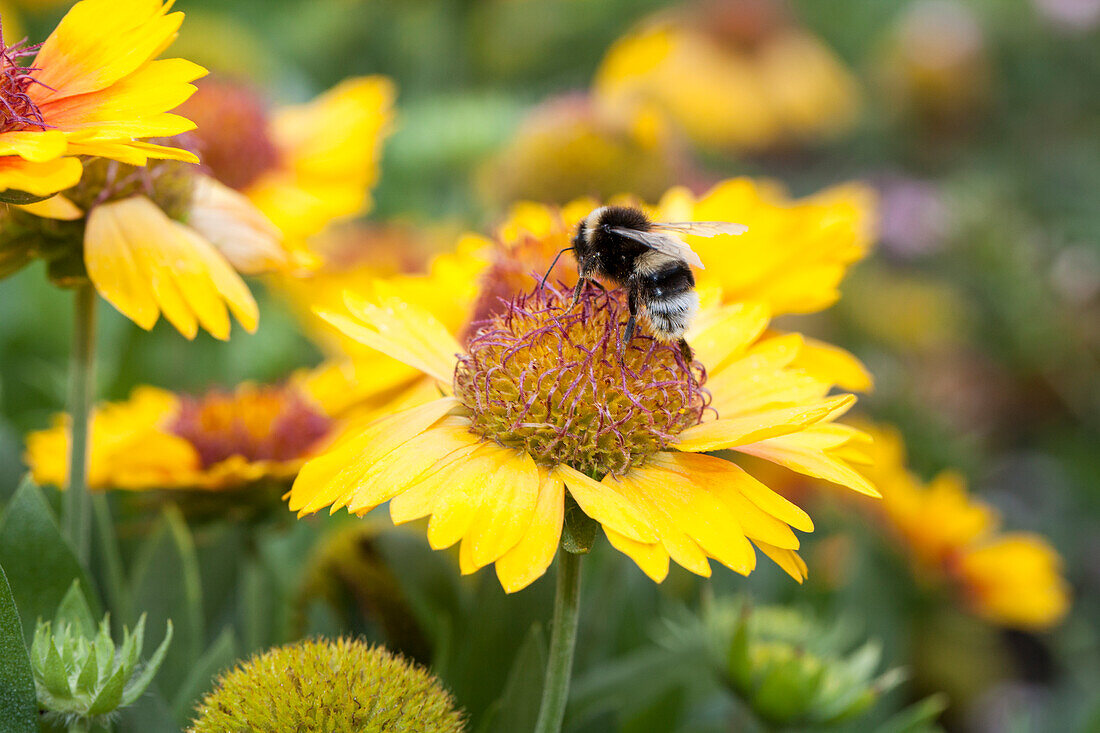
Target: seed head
{"points": [[549, 380]]}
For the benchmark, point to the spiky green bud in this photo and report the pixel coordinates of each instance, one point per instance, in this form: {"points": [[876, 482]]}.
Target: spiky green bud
{"points": [[325, 685], [777, 664], [79, 677]]}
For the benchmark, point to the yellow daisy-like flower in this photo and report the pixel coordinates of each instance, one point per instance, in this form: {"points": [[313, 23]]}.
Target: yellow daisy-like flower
{"points": [[539, 414], [570, 147], [791, 260], [93, 89], [303, 166], [219, 441], [1011, 579], [123, 228], [733, 77]]}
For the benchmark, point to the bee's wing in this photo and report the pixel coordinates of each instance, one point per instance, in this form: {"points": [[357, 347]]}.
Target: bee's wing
{"points": [[701, 228], [668, 244]]}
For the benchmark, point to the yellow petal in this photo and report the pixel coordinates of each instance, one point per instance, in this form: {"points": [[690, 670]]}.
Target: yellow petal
{"points": [[669, 481], [651, 558], [723, 476], [404, 465], [684, 550], [791, 562], [400, 330], [529, 559], [456, 506], [37, 146], [334, 475], [834, 365], [144, 263], [722, 434], [111, 261], [606, 505], [99, 42], [797, 453], [507, 508], [39, 179], [224, 279], [719, 333], [419, 496], [56, 207], [236, 228]]}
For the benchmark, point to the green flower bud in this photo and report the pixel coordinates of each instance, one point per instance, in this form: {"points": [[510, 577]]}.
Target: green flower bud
{"points": [[327, 685], [789, 669], [80, 677]]}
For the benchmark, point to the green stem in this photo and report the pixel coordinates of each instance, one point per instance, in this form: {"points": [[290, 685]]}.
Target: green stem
{"points": [[76, 520], [563, 639]]}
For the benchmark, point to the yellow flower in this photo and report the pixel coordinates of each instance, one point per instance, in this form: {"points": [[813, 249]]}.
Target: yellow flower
{"points": [[222, 440], [123, 228], [538, 414], [93, 89], [303, 166], [730, 86], [791, 260], [1010, 579], [569, 147]]}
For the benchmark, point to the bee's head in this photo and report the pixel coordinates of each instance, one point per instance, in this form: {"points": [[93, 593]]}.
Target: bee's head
{"points": [[584, 241]]}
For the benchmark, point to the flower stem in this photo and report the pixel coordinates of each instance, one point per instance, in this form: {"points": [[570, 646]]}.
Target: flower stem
{"points": [[563, 639], [76, 521]]}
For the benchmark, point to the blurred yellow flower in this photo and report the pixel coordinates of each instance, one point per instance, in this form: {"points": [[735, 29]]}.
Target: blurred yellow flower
{"points": [[123, 228], [1010, 579], [538, 413], [93, 89], [222, 440], [934, 65], [733, 76], [569, 147], [303, 166]]}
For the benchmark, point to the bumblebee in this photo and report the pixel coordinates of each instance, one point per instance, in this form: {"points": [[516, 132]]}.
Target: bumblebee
{"points": [[620, 245]]}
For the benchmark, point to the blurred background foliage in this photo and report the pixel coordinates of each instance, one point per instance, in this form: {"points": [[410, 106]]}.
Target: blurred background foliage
{"points": [[979, 314]]}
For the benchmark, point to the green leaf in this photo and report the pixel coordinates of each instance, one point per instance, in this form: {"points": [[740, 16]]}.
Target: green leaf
{"points": [[18, 704], [40, 563], [108, 565], [917, 718], [54, 673], [75, 612], [141, 681], [20, 198], [166, 585], [89, 675], [110, 695], [518, 706], [218, 657]]}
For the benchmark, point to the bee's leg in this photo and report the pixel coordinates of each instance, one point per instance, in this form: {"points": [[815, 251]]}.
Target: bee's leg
{"points": [[631, 323], [577, 292], [686, 351]]}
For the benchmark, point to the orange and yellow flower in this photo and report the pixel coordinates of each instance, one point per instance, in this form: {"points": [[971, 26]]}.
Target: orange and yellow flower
{"points": [[123, 227], [1008, 578], [538, 412], [93, 89], [303, 166], [218, 441], [733, 76]]}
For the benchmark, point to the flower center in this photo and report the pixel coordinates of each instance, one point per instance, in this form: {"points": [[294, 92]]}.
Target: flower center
{"points": [[167, 183], [550, 382], [232, 132], [258, 423], [17, 110]]}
